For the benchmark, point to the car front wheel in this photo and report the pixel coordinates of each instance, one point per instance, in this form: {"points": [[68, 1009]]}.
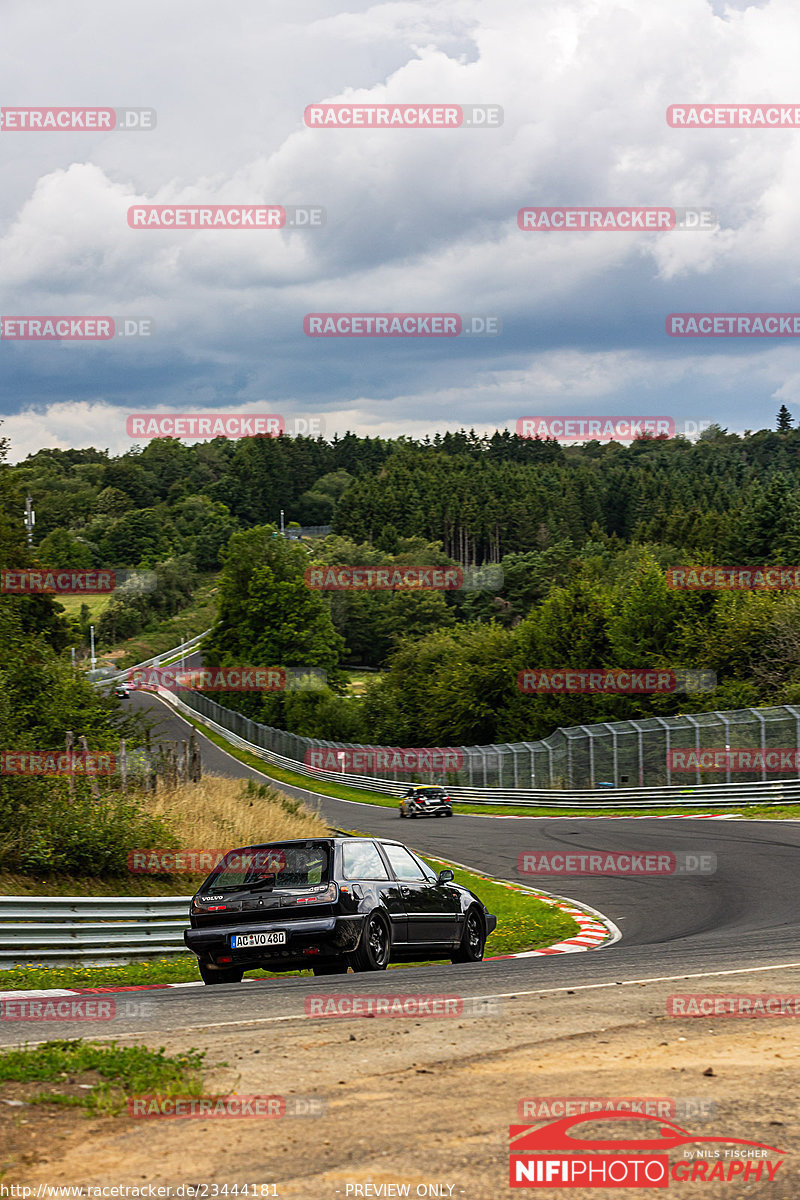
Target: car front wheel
{"points": [[375, 945], [473, 939]]}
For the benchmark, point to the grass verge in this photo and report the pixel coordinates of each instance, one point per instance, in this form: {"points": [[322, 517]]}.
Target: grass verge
{"points": [[100, 1077], [523, 923]]}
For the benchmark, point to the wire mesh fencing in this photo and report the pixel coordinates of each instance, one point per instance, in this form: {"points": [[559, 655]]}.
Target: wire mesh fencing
{"points": [[739, 746]]}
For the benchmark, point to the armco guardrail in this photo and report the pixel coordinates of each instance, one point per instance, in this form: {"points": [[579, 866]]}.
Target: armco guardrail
{"points": [[160, 659], [712, 795], [90, 930]]}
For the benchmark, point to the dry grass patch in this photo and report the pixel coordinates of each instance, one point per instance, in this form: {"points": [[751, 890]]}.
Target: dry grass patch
{"points": [[219, 813]]}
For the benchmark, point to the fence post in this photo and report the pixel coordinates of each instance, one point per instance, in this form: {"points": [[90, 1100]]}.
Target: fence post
{"points": [[70, 744], [763, 745], [195, 761], [93, 781], [692, 721], [588, 733], [666, 728], [727, 725], [607, 725]]}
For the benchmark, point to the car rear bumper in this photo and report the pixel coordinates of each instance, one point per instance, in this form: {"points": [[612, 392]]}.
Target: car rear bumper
{"points": [[323, 937]]}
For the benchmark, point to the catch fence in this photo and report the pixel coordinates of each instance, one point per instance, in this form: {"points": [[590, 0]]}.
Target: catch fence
{"points": [[619, 754]]}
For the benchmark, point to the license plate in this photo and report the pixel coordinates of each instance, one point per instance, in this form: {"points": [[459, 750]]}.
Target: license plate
{"points": [[240, 940]]}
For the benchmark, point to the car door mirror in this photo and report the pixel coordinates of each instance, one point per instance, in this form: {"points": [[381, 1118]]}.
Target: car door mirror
{"points": [[445, 877]]}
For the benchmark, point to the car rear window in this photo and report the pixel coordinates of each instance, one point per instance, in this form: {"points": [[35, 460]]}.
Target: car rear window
{"points": [[361, 860], [284, 865]]}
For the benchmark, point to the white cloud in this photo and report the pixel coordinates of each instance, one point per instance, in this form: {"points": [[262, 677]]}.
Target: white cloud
{"points": [[416, 220]]}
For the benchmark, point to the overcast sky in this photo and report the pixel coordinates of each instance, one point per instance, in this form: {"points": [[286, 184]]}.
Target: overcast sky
{"points": [[416, 220]]}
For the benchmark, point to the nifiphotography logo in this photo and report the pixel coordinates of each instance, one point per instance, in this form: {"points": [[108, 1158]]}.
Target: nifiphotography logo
{"points": [[552, 1156]]}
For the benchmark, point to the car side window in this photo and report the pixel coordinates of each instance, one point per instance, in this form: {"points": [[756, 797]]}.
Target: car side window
{"points": [[430, 875], [403, 863], [361, 860]]}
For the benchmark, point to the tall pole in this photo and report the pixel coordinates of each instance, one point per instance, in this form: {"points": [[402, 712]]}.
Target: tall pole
{"points": [[282, 533], [30, 519], [91, 634]]}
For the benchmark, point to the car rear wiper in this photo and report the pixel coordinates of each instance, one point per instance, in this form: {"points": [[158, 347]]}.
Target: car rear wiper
{"points": [[255, 885]]}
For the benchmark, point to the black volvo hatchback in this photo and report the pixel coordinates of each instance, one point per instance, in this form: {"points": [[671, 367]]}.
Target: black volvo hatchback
{"points": [[330, 904]]}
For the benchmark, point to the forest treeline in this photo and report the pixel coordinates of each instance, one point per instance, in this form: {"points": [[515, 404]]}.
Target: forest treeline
{"points": [[583, 536], [481, 497]]}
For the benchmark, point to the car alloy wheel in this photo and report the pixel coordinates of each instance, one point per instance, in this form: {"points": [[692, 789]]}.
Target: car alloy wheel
{"points": [[375, 945], [473, 939]]}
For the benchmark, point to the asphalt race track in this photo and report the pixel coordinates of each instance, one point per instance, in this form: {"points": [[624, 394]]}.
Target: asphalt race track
{"points": [[746, 915]]}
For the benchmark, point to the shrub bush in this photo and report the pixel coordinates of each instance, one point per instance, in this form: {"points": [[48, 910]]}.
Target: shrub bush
{"points": [[91, 837]]}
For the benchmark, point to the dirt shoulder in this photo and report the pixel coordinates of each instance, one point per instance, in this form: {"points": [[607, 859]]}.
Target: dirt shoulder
{"points": [[428, 1102]]}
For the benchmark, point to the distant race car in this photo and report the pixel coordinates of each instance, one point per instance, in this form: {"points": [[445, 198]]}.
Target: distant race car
{"points": [[426, 800], [123, 690]]}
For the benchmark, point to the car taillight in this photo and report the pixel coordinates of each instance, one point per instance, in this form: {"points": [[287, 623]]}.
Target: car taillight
{"points": [[327, 896]]}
